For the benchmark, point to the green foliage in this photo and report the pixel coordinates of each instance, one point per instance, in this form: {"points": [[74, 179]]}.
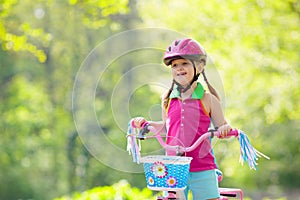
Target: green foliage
{"points": [[17, 35], [120, 190], [254, 45], [36, 120], [96, 14]]}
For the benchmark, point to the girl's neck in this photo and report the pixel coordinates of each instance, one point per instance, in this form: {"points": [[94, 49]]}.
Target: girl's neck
{"points": [[189, 92]]}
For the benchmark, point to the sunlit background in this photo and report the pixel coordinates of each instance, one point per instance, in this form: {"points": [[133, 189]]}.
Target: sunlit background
{"points": [[48, 48]]}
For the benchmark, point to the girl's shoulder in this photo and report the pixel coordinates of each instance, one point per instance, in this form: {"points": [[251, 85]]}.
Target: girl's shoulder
{"points": [[208, 100], [207, 96]]}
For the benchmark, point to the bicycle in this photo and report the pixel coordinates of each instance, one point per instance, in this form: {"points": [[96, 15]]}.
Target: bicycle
{"points": [[170, 173]]}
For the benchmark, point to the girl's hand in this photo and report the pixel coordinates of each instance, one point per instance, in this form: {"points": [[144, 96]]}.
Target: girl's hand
{"points": [[139, 121], [224, 130]]}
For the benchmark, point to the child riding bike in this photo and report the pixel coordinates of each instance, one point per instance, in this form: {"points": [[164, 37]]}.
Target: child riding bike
{"points": [[188, 112]]}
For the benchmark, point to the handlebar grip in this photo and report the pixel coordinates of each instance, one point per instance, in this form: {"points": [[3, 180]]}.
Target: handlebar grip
{"points": [[232, 133]]}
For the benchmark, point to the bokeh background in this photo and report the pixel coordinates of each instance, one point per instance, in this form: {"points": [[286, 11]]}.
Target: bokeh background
{"points": [[48, 48]]}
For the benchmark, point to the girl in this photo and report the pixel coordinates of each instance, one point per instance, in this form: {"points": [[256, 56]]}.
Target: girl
{"points": [[188, 112]]}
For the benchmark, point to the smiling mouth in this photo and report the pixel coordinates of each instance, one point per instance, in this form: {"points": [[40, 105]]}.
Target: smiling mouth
{"points": [[182, 74]]}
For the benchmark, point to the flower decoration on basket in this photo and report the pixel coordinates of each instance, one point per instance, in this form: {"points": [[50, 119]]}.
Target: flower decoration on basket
{"points": [[150, 181], [159, 169], [171, 181]]}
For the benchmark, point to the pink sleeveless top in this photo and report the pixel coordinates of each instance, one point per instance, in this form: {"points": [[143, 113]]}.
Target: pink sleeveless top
{"points": [[186, 121]]}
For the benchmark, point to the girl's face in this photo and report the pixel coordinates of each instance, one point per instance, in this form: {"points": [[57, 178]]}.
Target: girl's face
{"points": [[183, 70]]}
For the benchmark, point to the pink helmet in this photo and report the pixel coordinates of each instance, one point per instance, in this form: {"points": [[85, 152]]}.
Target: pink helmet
{"points": [[184, 48]]}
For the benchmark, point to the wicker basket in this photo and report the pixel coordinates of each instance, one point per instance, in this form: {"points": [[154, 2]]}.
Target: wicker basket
{"points": [[166, 172]]}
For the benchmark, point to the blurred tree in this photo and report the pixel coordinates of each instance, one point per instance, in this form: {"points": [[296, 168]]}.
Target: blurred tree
{"points": [[36, 94], [43, 43]]}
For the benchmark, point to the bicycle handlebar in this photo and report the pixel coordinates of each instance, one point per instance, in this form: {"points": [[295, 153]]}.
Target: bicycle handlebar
{"points": [[247, 152], [181, 149]]}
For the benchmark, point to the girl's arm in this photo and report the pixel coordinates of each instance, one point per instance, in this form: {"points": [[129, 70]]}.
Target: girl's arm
{"points": [[217, 115], [140, 121]]}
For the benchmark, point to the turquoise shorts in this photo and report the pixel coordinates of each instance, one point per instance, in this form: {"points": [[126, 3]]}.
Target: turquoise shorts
{"points": [[204, 185]]}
